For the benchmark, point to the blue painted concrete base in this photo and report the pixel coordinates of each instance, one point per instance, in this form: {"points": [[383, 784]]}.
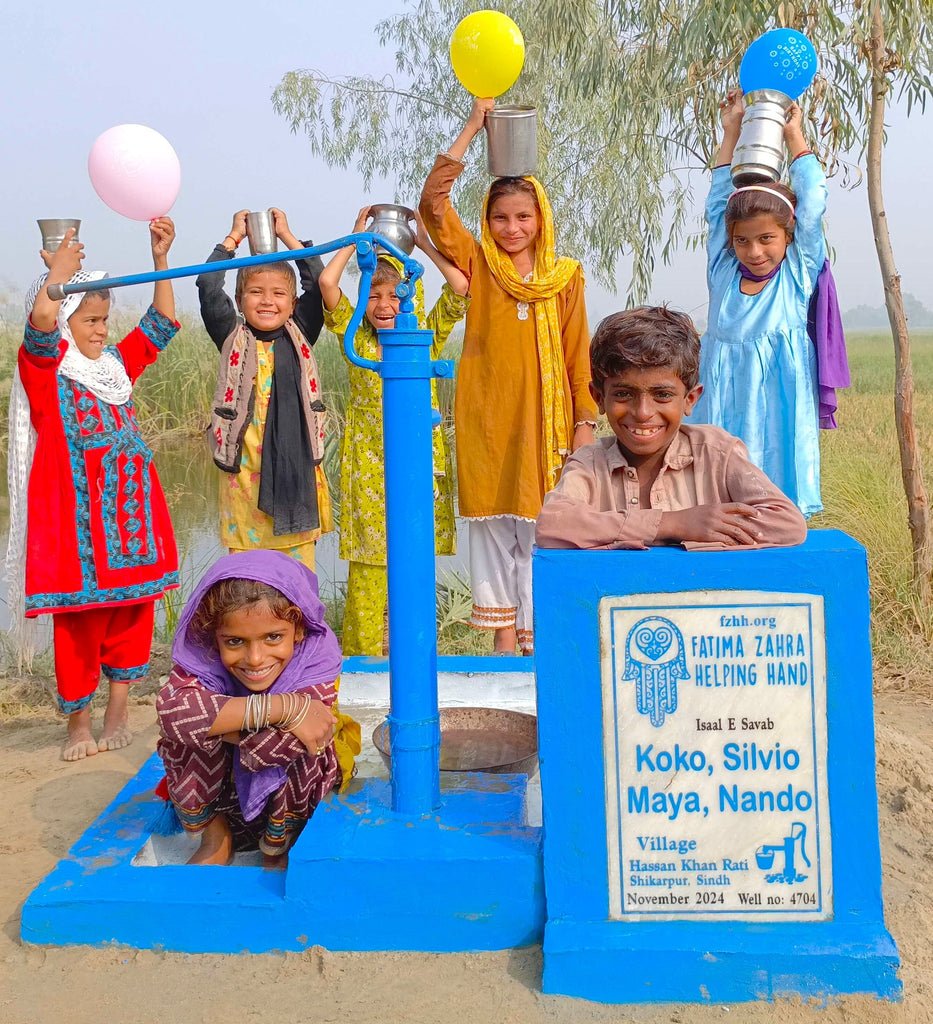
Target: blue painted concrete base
{"points": [[467, 878], [359, 877], [588, 954], [609, 962]]}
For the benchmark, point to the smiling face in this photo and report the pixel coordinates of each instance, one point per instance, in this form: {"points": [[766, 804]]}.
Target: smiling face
{"points": [[88, 325], [645, 407], [759, 243], [267, 300], [382, 307], [514, 223], [255, 645]]}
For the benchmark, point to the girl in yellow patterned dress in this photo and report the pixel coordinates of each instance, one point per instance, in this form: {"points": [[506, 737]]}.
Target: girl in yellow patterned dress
{"points": [[362, 458], [267, 422]]}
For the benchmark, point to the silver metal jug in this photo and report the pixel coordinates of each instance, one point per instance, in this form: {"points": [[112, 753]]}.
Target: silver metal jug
{"points": [[260, 230], [759, 155], [512, 141], [392, 222], [53, 231]]}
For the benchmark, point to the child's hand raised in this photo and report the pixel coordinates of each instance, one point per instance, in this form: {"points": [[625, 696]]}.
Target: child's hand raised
{"points": [[282, 231], [481, 107], [361, 218], [161, 234], [793, 119], [238, 230], [65, 262], [732, 110], [793, 131], [472, 128], [730, 523]]}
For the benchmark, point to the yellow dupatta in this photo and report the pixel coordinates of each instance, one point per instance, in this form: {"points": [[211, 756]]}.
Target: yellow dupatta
{"points": [[549, 277]]}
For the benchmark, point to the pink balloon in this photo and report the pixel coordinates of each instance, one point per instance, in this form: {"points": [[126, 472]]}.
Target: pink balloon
{"points": [[135, 171]]}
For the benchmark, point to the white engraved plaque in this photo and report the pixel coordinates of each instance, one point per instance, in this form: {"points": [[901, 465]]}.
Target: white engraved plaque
{"points": [[714, 738]]}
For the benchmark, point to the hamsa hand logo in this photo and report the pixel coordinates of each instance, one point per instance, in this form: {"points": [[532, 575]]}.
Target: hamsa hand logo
{"points": [[654, 659]]}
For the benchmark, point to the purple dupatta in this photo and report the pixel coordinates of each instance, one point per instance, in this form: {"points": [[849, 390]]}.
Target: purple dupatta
{"points": [[317, 659], [824, 325]]}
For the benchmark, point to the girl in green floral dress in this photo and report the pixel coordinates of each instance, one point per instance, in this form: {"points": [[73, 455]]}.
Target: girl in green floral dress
{"points": [[362, 458]]}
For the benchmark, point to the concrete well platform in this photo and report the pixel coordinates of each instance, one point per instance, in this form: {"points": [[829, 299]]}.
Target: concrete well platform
{"points": [[468, 877]]}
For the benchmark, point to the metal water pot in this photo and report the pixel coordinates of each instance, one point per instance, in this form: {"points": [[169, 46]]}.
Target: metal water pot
{"points": [[512, 141], [392, 222], [759, 155], [260, 230], [53, 231]]}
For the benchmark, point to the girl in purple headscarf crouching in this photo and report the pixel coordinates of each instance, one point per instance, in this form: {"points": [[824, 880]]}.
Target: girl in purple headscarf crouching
{"points": [[250, 733]]}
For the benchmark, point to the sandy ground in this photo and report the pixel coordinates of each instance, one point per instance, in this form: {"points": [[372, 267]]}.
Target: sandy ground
{"points": [[45, 805]]}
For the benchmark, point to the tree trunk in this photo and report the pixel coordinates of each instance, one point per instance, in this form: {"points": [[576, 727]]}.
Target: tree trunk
{"points": [[918, 508]]}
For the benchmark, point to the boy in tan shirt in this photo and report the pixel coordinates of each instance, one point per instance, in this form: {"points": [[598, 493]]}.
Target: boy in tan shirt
{"points": [[657, 480]]}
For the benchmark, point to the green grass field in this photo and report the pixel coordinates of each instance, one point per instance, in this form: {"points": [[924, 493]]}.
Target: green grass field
{"points": [[861, 471], [863, 495]]}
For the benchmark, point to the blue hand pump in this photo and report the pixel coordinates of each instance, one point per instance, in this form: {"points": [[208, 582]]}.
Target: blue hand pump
{"points": [[406, 369]]}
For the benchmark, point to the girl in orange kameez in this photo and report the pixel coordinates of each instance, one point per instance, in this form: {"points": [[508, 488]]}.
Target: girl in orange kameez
{"points": [[522, 401]]}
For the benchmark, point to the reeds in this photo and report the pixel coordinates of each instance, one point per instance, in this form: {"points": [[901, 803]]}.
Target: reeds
{"points": [[861, 475]]}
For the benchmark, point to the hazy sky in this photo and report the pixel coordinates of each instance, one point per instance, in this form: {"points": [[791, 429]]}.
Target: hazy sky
{"points": [[202, 74]]}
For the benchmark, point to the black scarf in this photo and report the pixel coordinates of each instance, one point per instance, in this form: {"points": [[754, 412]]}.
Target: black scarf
{"points": [[287, 484]]}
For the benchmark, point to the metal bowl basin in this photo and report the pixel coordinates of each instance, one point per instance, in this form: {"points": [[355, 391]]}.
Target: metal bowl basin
{"points": [[479, 740]]}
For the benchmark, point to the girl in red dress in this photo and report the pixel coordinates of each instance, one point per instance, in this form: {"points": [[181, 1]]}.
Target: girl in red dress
{"points": [[96, 538]]}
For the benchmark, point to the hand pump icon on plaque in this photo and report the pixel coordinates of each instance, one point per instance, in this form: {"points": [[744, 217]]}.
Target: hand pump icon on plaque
{"points": [[788, 875]]}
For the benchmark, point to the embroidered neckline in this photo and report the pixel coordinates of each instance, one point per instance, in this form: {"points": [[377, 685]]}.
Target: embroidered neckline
{"points": [[521, 306]]}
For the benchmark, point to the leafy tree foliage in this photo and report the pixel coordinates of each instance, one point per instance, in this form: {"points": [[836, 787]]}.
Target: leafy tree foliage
{"points": [[627, 94], [607, 175]]}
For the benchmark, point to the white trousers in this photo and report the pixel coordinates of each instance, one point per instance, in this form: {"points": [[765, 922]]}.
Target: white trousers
{"points": [[500, 570]]}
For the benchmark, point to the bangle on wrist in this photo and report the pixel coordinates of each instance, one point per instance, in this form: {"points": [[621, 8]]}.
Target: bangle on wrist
{"points": [[236, 241]]}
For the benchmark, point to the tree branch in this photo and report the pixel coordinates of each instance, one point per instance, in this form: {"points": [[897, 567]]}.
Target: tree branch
{"points": [[918, 508]]}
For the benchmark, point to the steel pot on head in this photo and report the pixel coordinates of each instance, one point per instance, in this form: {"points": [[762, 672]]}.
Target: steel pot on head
{"points": [[512, 141], [759, 154], [53, 231], [393, 223]]}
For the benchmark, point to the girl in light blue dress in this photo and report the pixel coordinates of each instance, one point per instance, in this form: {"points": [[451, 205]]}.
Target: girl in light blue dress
{"points": [[758, 365]]}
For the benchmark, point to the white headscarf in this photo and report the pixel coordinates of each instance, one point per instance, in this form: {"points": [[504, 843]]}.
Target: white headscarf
{"points": [[106, 378]]}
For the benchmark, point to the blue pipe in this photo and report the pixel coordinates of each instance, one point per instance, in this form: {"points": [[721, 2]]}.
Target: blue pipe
{"points": [[365, 241], [366, 260], [413, 268], [414, 723]]}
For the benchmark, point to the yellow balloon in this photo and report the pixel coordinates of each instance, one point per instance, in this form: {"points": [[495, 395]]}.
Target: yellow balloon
{"points": [[487, 52]]}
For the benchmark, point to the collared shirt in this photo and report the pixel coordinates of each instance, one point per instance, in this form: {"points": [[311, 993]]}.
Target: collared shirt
{"points": [[596, 502]]}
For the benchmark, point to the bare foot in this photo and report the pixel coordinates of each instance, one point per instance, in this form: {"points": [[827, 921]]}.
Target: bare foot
{"points": [[116, 733], [276, 863], [216, 844], [80, 743]]}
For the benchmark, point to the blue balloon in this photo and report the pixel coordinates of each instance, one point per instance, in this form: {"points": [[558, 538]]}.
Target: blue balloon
{"points": [[781, 59]]}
